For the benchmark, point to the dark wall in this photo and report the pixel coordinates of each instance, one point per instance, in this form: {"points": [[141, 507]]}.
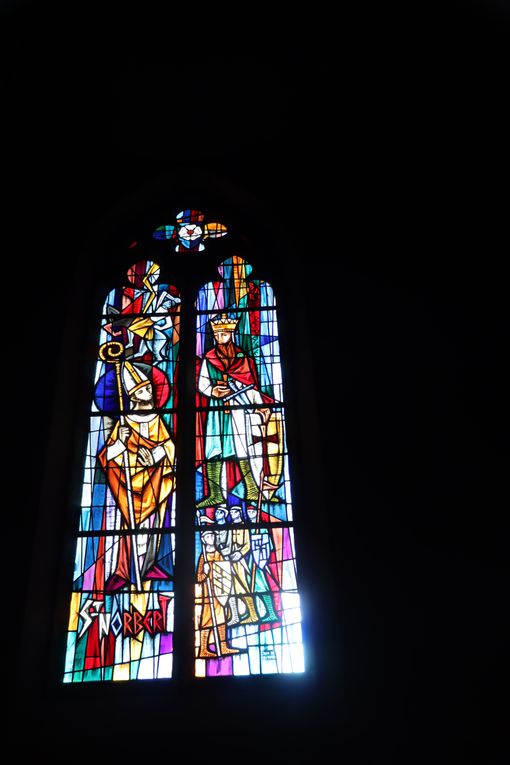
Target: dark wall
{"points": [[383, 151]]}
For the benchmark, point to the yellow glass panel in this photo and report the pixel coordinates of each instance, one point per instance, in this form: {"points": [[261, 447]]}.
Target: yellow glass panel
{"points": [[74, 611], [121, 672]]}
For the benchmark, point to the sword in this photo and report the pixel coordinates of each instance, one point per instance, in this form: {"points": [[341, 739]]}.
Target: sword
{"points": [[238, 392]]}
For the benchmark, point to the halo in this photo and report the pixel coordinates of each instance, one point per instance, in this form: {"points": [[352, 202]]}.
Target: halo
{"points": [[106, 395]]}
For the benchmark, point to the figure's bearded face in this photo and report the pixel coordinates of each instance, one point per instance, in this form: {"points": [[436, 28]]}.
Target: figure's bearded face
{"points": [[222, 337], [143, 395]]}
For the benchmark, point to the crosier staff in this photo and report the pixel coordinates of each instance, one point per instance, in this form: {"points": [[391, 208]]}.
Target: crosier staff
{"points": [[210, 596], [112, 353]]}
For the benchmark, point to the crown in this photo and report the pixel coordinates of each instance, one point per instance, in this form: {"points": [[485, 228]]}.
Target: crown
{"points": [[224, 324]]}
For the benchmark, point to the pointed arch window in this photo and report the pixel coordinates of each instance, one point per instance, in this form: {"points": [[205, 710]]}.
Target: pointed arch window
{"points": [[126, 588], [122, 604], [247, 611]]}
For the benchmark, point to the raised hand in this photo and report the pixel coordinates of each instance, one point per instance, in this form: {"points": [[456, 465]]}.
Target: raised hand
{"points": [[124, 433], [145, 457], [220, 391]]}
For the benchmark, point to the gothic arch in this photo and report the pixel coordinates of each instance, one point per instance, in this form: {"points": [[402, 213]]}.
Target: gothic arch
{"points": [[104, 256]]}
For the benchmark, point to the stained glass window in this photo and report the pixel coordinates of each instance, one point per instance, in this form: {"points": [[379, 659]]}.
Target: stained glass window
{"points": [[122, 605], [191, 231], [247, 608], [246, 603]]}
